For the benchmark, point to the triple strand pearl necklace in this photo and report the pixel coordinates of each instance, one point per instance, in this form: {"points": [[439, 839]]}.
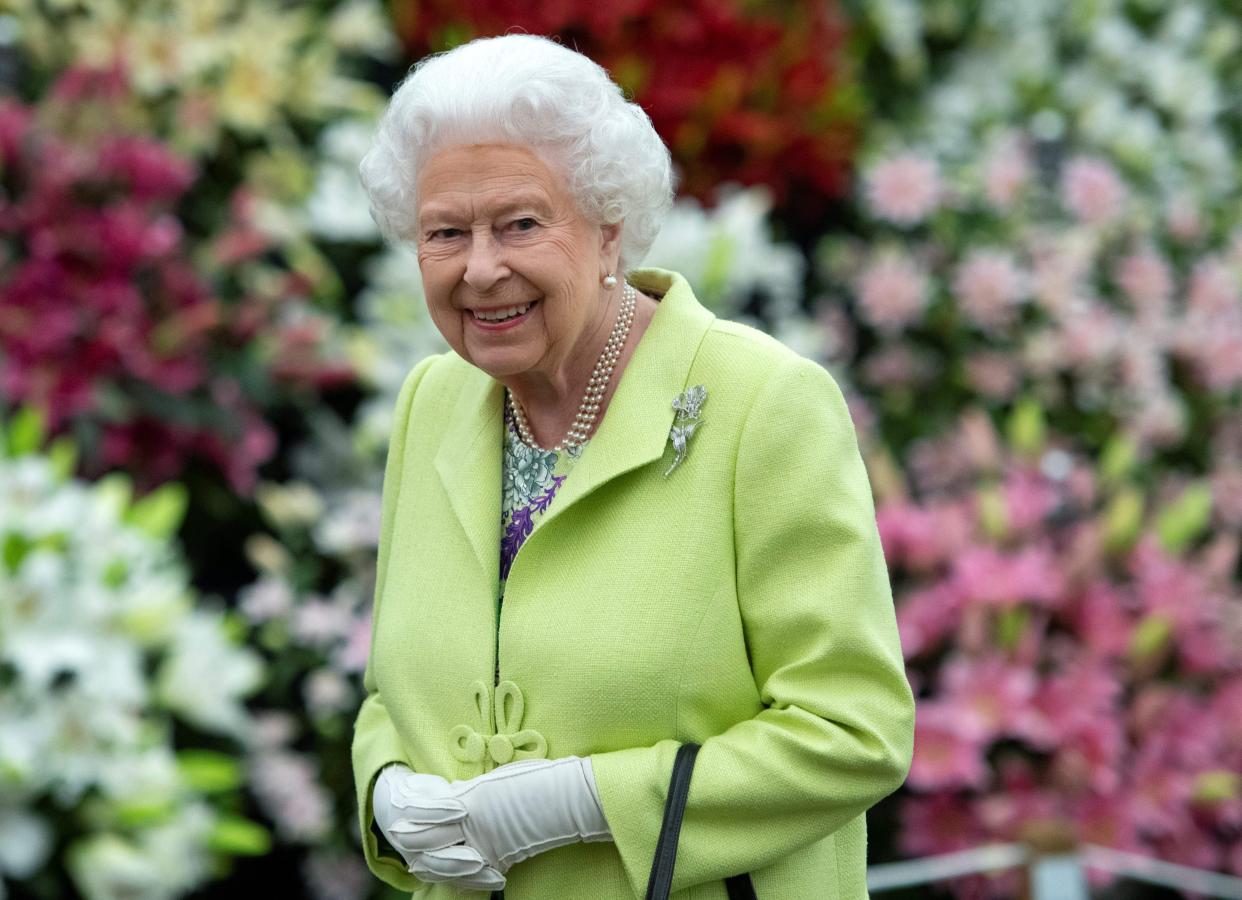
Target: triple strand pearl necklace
{"points": [[588, 409]]}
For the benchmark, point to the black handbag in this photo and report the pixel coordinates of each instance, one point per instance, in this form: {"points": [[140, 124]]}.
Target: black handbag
{"points": [[738, 886]]}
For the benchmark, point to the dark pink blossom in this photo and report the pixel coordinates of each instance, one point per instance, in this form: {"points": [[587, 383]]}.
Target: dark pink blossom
{"points": [[948, 753]]}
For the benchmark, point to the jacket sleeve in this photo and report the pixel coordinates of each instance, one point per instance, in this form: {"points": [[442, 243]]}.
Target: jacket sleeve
{"points": [[837, 731], [376, 742]]}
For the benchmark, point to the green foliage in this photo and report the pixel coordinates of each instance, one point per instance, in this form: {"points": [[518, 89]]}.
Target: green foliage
{"points": [[161, 512], [1123, 519], [209, 772], [1180, 523], [1026, 428], [25, 432], [238, 836], [1117, 459]]}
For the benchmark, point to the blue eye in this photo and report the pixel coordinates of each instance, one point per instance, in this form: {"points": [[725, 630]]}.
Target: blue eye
{"points": [[525, 224]]}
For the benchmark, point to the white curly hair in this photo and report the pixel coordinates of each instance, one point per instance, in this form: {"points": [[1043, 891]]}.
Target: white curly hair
{"points": [[527, 90]]}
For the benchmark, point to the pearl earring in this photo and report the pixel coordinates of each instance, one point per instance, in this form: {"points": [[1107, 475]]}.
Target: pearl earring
{"points": [[610, 280]]}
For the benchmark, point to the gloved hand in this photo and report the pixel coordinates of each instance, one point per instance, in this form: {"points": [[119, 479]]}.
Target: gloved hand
{"points": [[458, 865], [490, 822]]}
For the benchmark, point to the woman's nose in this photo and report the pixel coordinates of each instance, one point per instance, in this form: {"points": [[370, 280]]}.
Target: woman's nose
{"points": [[484, 267]]}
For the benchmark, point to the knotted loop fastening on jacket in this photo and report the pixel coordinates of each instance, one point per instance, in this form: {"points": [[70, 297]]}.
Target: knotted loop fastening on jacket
{"points": [[501, 737]]}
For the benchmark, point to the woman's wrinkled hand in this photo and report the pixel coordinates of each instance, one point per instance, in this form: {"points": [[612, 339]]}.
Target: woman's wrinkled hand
{"points": [[417, 813]]}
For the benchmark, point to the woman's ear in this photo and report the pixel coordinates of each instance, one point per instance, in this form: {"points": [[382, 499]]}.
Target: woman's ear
{"points": [[610, 246]]}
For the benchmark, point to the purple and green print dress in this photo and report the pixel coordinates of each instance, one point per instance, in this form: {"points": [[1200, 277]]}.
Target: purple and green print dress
{"points": [[530, 479]]}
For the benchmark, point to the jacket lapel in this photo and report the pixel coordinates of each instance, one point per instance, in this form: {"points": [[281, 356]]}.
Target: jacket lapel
{"points": [[633, 432], [635, 427], [469, 465]]}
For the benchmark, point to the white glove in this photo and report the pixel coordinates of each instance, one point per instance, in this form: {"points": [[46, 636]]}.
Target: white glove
{"points": [[458, 865], [496, 819]]}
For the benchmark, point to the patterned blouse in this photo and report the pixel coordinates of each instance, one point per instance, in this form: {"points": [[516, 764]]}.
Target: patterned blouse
{"points": [[530, 479]]}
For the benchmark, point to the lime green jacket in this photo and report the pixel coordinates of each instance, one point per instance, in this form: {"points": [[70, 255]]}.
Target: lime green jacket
{"points": [[741, 602]]}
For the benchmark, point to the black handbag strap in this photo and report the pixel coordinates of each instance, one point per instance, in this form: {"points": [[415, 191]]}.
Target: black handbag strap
{"points": [[661, 880]]}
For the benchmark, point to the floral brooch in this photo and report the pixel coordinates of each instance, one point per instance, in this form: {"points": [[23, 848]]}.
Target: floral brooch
{"points": [[687, 405]]}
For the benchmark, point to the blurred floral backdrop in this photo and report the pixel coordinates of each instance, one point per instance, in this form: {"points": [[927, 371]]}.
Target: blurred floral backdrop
{"points": [[1011, 231]]}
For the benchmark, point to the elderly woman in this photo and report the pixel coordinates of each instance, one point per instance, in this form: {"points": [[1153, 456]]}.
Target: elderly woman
{"points": [[612, 524]]}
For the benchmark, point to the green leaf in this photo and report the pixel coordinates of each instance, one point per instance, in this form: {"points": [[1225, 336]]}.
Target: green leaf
{"points": [[1150, 638], [238, 836], [235, 626], [13, 549], [1217, 786], [993, 514], [1025, 428], [1011, 625], [1117, 459], [160, 513], [114, 573], [115, 491], [1123, 519], [137, 812], [26, 431], [1186, 518], [63, 456], [209, 772]]}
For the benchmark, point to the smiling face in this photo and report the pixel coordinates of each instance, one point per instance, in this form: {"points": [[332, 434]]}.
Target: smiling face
{"points": [[498, 230]]}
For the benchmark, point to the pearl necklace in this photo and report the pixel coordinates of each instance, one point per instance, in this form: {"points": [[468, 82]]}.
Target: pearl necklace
{"points": [[588, 409]]}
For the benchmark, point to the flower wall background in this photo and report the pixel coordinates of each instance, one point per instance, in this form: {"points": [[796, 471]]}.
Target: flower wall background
{"points": [[1009, 230]]}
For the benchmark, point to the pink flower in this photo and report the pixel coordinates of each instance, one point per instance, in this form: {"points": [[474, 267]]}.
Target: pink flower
{"points": [[1161, 794], [1006, 815], [1169, 586], [1092, 190], [922, 538], [989, 286], [1061, 266], [337, 876], [272, 729], [904, 190], [925, 617], [1220, 363], [1086, 689], [1214, 291], [1101, 621], [1226, 705], [1090, 759], [939, 823], [892, 292], [267, 598], [987, 694], [1006, 171], [1160, 420], [1029, 499], [987, 577], [1189, 845], [1147, 280], [288, 787], [993, 375], [1090, 331], [320, 623], [897, 365], [948, 754], [1183, 218], [1106, 820], [352, 655], [148, 170]]}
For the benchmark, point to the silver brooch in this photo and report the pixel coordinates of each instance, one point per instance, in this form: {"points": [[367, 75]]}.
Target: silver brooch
{"points": [[687, 405]]}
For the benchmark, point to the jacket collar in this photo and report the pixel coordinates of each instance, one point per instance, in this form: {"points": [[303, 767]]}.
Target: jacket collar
{"points": [[633, 432]]}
